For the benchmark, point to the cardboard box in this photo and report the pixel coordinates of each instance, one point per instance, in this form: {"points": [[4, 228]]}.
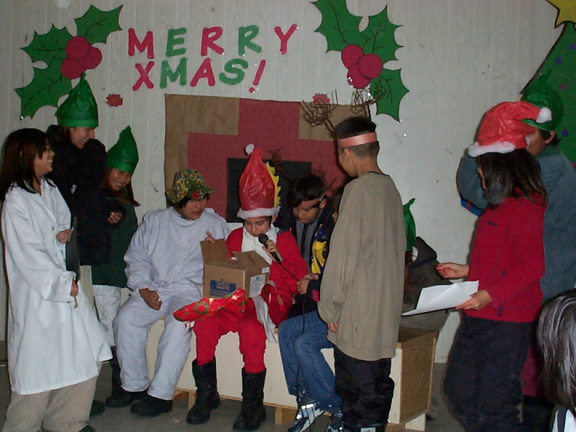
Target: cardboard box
{"points": [[224, 275]]}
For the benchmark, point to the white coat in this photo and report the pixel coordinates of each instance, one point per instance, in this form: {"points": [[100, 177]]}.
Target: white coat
{"points": [[51, 344]]}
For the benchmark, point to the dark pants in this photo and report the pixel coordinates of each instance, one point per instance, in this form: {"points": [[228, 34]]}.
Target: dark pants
{"points": [[482, 383], [366, 390]]}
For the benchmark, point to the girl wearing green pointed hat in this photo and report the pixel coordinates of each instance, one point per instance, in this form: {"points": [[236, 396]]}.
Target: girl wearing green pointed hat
{"points": [[109, 280]]}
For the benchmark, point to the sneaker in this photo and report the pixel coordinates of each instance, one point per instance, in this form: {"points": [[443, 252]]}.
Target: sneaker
{"points": [[151, 406], [306, 417], [335, 424]]}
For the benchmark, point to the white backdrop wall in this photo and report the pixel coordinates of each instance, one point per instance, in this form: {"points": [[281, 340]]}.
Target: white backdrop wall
{"points": [[458, 58]]}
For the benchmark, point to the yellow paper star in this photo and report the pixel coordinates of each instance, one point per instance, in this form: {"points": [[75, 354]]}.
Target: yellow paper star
{"points": [[566, 11]]}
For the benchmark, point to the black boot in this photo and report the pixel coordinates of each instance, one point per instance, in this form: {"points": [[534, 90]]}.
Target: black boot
{"points": [[252, 412], [207, 397]]}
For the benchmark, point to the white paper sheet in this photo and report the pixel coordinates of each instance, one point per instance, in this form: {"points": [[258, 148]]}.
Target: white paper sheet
{"points": [[440, 297]]}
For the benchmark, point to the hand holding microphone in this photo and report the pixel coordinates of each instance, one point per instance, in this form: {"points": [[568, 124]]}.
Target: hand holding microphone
{"points": [[270, 247]]}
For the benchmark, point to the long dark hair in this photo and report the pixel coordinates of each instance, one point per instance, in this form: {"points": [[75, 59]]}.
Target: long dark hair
{"points": [[20, 150], [557, 341], [515, 174]]}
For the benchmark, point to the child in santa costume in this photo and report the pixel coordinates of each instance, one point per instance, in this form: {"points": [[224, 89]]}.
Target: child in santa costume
{"points": [[482, 382], [259, 208]]}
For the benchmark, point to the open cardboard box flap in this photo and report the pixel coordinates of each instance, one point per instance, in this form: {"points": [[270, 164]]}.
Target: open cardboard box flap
{"points": [[223, 274]]}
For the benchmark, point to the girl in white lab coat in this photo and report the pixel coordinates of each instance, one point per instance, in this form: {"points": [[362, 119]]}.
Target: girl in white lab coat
{"points": [[55, 344]]}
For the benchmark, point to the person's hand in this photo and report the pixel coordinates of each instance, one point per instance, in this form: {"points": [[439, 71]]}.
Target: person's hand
{"points": [[333, 327], [74, 289], [476, 301], [450, 270], [270, 247], [63, 236], [115, 218], [303, 283], [209, 237], [151, 298]]}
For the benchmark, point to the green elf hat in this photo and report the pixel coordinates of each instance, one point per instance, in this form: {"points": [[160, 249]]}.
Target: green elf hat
{"points": [[188, 183], [79, 109], [542, 95], [124, 154]]}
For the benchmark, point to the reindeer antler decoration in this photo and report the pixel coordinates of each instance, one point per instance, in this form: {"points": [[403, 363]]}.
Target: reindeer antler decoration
{"points": [[319, 111]]}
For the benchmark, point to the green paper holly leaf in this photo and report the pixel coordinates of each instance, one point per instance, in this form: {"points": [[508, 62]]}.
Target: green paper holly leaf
{"points": [[338, 25], [96, 25], [46, 88], [49, 47], [389, 90], [379, 37]]}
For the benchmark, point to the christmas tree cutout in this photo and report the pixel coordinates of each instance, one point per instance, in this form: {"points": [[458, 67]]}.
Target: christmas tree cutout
{"points": [[560, 68]]}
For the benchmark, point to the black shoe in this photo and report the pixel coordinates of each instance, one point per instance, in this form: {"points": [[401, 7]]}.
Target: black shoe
{"points": [[98, 407], [150, 406], [87, 429], [124, 398]]}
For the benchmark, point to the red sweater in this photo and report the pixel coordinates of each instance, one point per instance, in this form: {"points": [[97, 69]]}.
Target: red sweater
{"points": [[285, 284], [508, 260]]}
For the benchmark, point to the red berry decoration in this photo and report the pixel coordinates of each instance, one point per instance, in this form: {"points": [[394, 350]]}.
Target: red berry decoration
{"points": [[355, 78], [370, 66], [351, 54], [71, 69], [77, 48], [93, 58]]}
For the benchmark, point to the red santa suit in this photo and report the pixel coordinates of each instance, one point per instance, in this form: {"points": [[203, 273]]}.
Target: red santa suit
{"points": [[251, 332]]}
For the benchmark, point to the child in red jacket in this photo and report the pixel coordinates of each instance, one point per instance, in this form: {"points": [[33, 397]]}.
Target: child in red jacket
{"points": [[482, 382], [259, 208]]}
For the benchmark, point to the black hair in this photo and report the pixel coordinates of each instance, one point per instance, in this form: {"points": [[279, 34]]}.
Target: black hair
{"points": [[515, 174], [124, 195], [557, 341], [182, 203], [307, 188], [20, 149], [546, 136], [354, 126]]}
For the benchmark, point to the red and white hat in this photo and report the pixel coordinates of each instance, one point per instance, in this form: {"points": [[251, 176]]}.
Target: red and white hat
{"points": [[502, 130], [258, 187]]}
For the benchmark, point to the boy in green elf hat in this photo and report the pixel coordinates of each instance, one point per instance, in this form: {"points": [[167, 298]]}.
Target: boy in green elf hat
{"points": [[109, 279]]}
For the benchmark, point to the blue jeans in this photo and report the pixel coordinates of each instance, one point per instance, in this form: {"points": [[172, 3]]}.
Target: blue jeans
{"points": [[308, 376]]}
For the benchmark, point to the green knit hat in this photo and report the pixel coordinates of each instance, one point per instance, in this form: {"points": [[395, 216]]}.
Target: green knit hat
{"points": [[124, 154], [188, 183], [542, 95], [80, 109]]}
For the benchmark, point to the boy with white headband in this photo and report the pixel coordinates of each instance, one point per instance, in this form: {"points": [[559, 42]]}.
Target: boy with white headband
{"points": [[363, 280]]}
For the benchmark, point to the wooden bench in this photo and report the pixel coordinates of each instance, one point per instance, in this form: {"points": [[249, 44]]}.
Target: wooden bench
{"points": [[411, 371]]}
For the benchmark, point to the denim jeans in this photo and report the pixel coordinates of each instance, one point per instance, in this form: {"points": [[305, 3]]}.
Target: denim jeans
{"points": [[308, 376]]}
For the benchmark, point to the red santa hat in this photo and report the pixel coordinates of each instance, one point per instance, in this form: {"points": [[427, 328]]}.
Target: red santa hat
{"points": [[502, 130], [258, 187]]}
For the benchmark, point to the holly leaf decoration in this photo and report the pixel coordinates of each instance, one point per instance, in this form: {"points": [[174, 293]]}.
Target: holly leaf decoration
{"points": [[49, 47], [338, 25], [96, 25], [341, 30], [46, 88], [388, 90], [379, 37]]}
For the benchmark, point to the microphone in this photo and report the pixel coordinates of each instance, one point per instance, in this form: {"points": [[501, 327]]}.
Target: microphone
{"points": [[263, 238]]}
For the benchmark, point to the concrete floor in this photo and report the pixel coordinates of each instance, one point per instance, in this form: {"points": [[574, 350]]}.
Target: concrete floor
{"points": [[120, 419]]}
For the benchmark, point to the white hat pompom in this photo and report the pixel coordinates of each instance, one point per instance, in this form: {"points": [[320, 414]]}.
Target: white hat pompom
{"points": [[249, 149]]}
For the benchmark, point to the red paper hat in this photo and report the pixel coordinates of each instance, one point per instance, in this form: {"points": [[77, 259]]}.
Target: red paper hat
{"points": [[258, 188], [502, 129]]}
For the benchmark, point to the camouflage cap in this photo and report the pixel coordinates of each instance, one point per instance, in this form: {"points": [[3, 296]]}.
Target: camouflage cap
{"points": [[188, 183]]}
